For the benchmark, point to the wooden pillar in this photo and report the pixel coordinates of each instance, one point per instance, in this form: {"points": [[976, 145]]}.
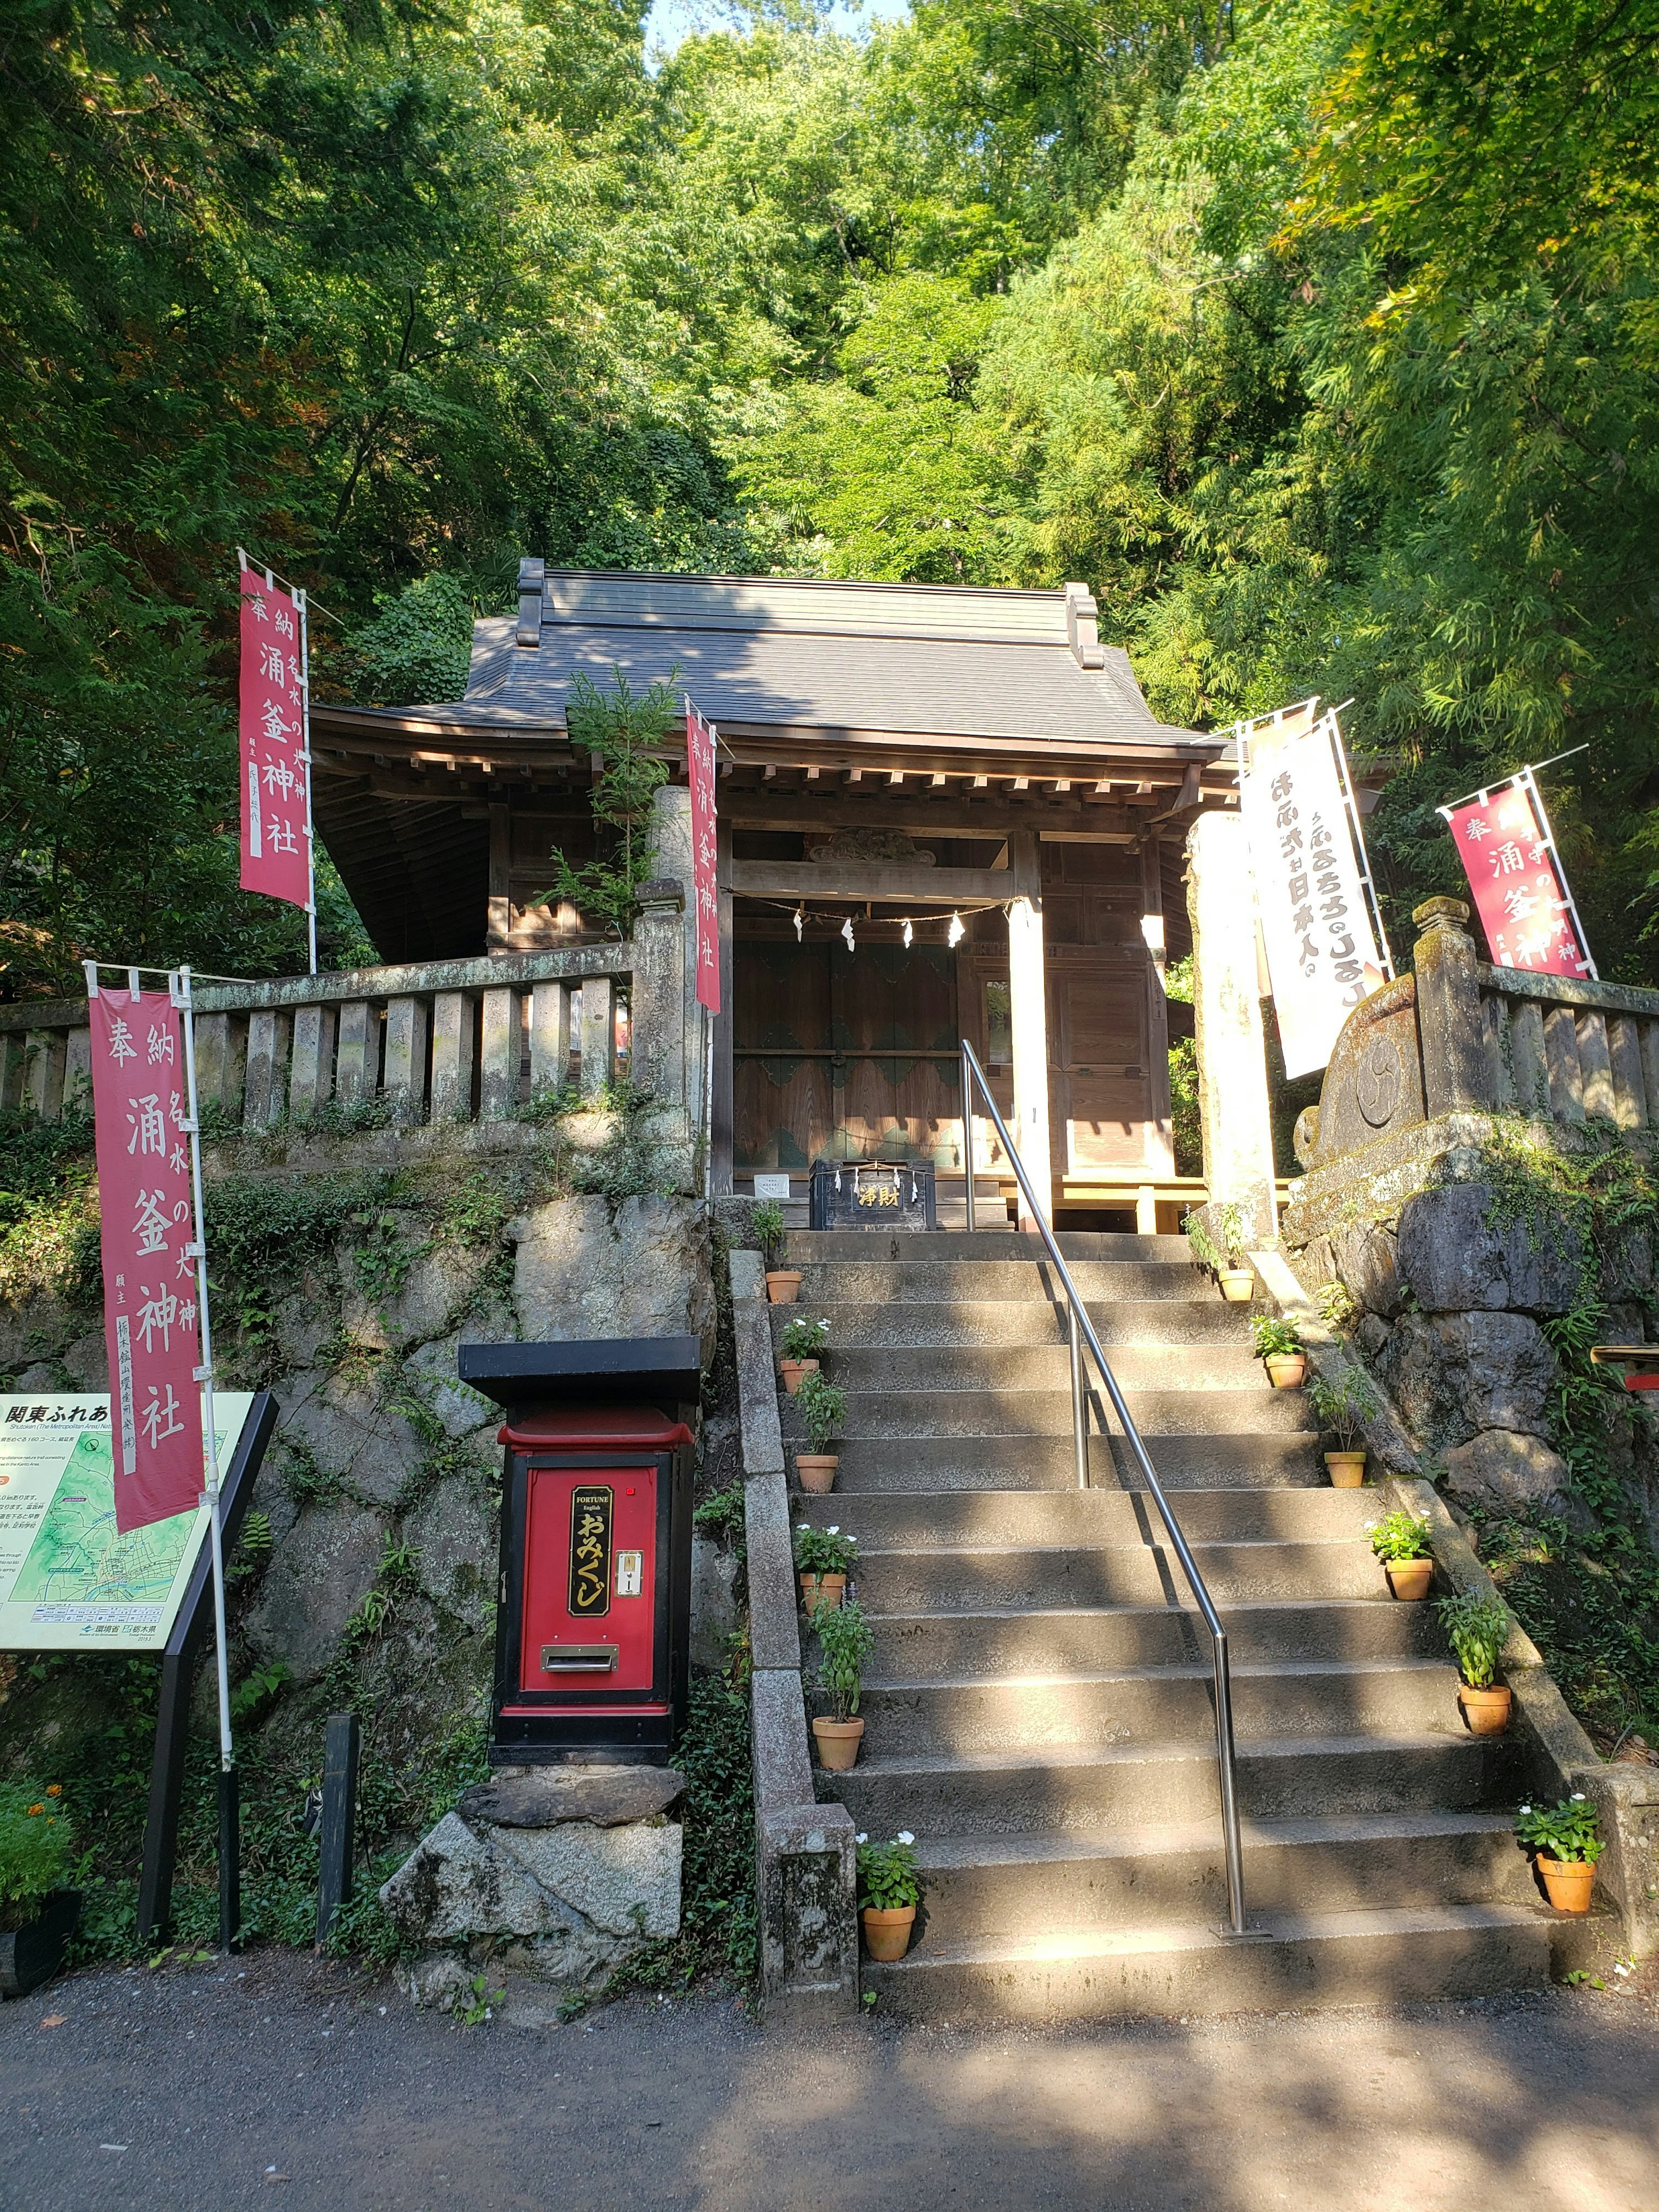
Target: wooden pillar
{"points": [[1028, 1013], [501, 903], [1232, 1062], [721, 1100], [1159, 1152]]}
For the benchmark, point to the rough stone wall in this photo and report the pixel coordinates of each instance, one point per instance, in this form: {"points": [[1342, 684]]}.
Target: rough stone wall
{"points": [[382, 1482], [1451, 1300]]}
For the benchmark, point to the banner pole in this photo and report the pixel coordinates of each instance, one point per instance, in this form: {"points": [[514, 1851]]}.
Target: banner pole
{"points": [[300, 601], [230, 1914]]}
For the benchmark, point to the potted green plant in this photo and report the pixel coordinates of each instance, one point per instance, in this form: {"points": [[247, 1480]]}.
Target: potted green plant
{"points": [[1476, 1628], [845, 1642], [1223, 1252], [38, 1908], [890, 1890], [1401, 1540], [824, 1559], [804, 1342], [823, 1412], [1566, 1842], [1343, 1407], [782, 1284], [1279, 1349]]}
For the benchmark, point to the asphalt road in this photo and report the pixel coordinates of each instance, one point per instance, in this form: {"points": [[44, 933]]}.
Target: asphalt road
{"points": [[213, 2086]]}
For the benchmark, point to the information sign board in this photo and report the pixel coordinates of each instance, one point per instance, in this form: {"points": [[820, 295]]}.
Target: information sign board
{"points": [[68, 1580]]}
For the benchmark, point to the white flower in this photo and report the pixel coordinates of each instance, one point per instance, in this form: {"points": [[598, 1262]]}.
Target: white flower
{"points": [[905, 1837], [1577, 1798], [835, 1527], [861, 1838], [1525, 1808], [1620, 1967]]}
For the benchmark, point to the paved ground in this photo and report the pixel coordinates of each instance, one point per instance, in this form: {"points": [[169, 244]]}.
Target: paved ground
{"points": [[210, 2087]]}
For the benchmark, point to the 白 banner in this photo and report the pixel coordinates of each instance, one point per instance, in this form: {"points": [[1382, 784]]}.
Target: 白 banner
{"points": [[276, 791], [1312, 885], [150, 1321], [700, 774], [1515, 877]]}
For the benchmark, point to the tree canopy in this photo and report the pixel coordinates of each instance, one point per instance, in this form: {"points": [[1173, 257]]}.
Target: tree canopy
{"points": [[1317, 335]]}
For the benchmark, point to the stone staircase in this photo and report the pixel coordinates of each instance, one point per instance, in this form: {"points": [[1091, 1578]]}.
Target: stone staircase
{"points": [[1040, 1706]]}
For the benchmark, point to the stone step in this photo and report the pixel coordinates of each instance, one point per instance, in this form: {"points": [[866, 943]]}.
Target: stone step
{"points": [[921, 1372], [988, 1412], [1023, 1888], [1271, 1701], [1012, 1247], [856, 1323], [932, 1647], [930, 1282], [1000, 1461], [967, 1578], [1406, 1955], [1103, 1515], [1087, 1789]]}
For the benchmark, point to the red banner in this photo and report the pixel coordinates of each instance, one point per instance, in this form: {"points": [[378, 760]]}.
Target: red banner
{"points": [[1515, 874], [700, 773], [150, 1325], [276, 848]]}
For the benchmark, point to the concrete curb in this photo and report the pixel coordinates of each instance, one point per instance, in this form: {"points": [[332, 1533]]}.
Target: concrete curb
{"points": [[806, 1870]]}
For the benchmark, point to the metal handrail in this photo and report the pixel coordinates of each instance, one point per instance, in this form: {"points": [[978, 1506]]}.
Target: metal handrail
{"points": [[1081, 1332]]}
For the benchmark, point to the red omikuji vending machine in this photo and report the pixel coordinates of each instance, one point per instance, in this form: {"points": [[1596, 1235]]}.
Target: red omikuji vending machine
{"points": [[593, 1632]]}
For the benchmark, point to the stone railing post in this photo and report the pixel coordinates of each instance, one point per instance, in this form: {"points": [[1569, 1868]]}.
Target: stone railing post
{"points": [[657, 1005], [1451, 1027], [1232, 1059]]}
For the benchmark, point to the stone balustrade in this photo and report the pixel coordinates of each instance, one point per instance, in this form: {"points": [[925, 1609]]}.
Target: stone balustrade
{"points": [[448, 1040]]}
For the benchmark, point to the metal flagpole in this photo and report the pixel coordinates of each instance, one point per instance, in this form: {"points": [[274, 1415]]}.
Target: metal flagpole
{"points": [[1528, 782], [1368, 889], [230, 1903], [299, 597]]}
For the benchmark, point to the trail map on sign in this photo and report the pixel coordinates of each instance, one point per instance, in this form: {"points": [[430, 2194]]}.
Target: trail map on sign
{"points": [[69, 1579]]}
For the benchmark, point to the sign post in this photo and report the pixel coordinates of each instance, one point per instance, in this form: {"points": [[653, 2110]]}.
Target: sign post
{"points": [[1314, 896], [273, 721]]}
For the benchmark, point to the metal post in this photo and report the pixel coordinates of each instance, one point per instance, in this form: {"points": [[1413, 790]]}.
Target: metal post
{"points": [[310, 834], [968, 1132], [1079, 1403], [340, 1748], [1223, 1744], [230, 1840]]}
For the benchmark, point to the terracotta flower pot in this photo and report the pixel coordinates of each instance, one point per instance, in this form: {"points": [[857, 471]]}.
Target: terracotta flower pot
{"points": [[1286, 1371], [795, 1371], [1347, 1469], [1237, 1285], [815, 1472], [887, 1934], [1409, 1579], [1486, 1711], [838, 1744], [783, 1286], [822, 1589], [1569, 1882]]}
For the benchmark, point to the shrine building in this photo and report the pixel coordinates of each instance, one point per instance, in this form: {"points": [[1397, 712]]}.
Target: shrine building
{"points": [[968, 777]]}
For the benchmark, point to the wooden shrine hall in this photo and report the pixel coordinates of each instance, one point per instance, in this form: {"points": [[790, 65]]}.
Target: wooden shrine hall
{"points": [[943, 811]]}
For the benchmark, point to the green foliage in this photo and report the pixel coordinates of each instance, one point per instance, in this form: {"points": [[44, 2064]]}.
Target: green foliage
{"points": [[889, 1877], [417, 648], [627, 1163], [1337, 1306], [629, 734], [1476, 1628], [1345, 1404], [767, 1223], [823, 1551], [1272, 1337], [48, 1209], [721, 1516], [37, 1849], [823, 1410], [846, 1640], [1568, 1830], [804, 1338], [1400, 1536]]}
